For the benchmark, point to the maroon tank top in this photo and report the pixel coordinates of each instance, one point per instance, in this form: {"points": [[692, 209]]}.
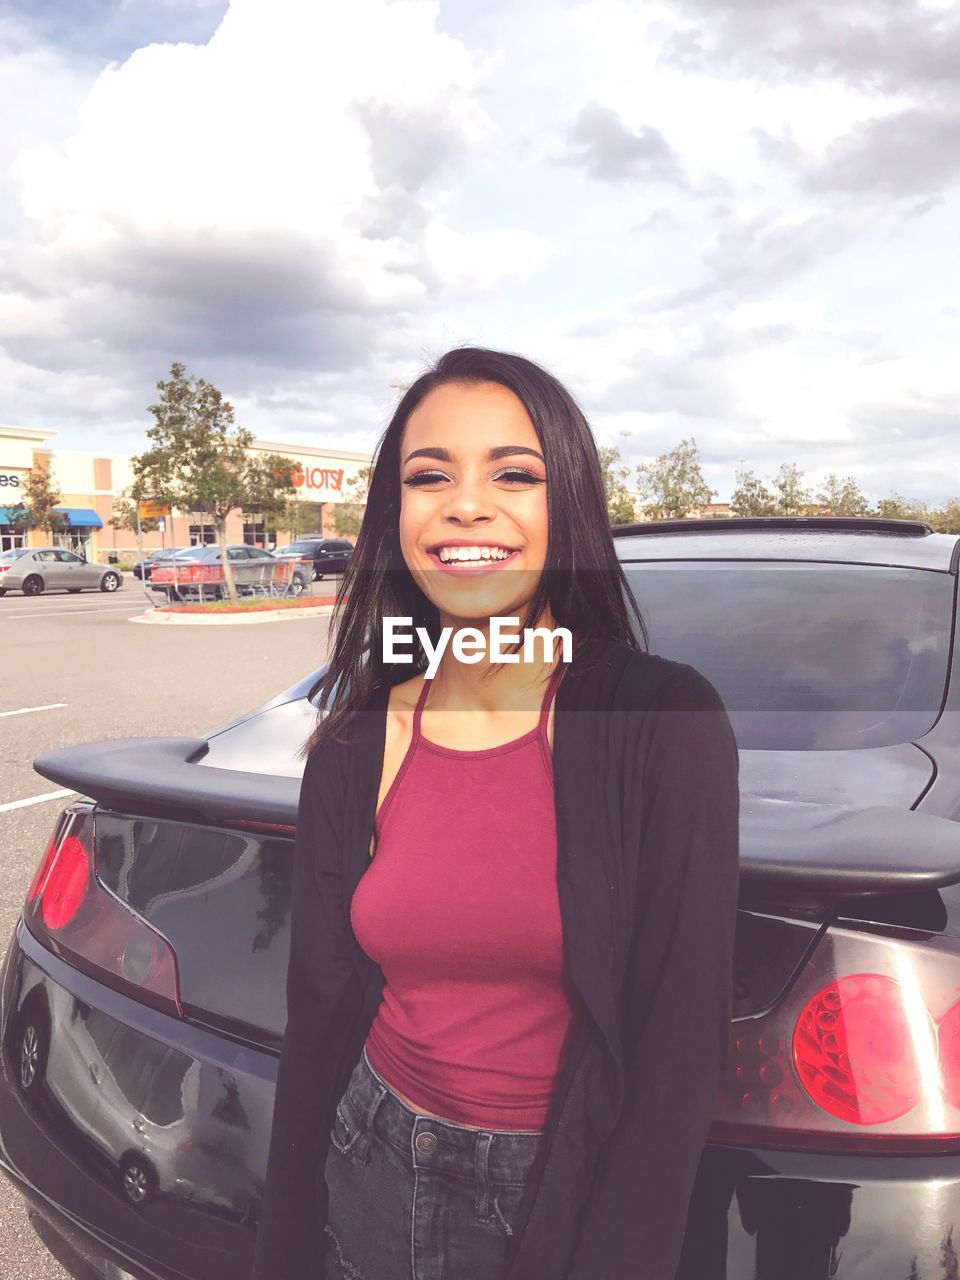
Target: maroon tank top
{"points": [[459, 907]]}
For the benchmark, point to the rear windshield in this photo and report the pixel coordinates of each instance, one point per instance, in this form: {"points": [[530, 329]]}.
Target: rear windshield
{"points": [[308, 547], [13, 554], [806, 656]]}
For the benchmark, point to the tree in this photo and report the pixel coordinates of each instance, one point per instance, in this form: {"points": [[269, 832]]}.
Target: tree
{"points": [[945, 519], [295, 517], [200, 462], [125, 514], [791, 498], [843, 497], [674, 483], [897, 508], [35, 510], [348, 516], [620, 506], [751, 496]]}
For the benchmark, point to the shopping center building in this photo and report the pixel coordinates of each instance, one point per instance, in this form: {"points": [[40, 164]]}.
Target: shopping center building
{"points": [[89, 483]]}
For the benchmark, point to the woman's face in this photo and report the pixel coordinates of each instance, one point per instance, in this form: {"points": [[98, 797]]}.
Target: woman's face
{"points": [[473, 511]]}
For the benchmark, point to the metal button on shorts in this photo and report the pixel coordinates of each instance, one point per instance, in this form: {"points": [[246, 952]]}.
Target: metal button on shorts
{"points": [[426, 1142]]}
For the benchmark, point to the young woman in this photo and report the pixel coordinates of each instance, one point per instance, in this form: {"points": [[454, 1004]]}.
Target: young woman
{"points": [[515, 882]]}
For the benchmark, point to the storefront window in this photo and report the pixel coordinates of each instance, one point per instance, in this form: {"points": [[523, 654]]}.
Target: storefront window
{"points": [[309, 520], [77, 540], [11, 537], [254, 534], [202, 535]]}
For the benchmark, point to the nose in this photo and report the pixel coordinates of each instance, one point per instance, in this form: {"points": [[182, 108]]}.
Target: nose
{"points": [[467, 505]]}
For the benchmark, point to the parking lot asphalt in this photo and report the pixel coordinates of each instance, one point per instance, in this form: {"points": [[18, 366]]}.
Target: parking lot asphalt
{"points": [[74, 669]]}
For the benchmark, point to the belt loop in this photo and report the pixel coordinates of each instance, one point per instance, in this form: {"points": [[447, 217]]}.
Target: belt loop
{"points": [[374, 1106], [366, 1111], [482, 1152]]}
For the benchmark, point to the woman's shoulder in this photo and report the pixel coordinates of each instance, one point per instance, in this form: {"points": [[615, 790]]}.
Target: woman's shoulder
{"points": [[335, 755]]}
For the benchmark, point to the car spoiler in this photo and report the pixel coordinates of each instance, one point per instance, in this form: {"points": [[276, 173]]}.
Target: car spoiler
{"points": [[789, 849]]}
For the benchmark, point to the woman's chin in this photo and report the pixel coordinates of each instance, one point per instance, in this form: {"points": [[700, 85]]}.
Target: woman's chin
{"points": [[473, 600], [476, 608]]}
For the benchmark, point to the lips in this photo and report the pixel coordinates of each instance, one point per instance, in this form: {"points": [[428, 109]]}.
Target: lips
{"points": [[471, 558]]}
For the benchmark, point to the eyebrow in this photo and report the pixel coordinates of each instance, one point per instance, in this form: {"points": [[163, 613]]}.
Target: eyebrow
{"points": [[493, 455]]}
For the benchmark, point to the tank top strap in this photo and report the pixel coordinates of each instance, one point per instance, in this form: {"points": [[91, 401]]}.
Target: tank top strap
{"points": [[552, 686], [418, 712]]}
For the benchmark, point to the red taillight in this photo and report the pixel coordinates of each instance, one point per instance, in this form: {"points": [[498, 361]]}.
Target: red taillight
{"points": [[862, 1054], [854, 1050], [82, 922], [65, 884]]}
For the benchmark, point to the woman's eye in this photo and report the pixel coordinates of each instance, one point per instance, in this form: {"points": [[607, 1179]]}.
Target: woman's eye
{"points": [[424, 477], [519, 475]]}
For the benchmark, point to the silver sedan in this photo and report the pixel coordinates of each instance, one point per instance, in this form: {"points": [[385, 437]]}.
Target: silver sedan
{"points": [[36, 569]]}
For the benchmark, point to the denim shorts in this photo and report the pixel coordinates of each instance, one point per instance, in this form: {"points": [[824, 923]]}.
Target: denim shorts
{"points": [[413, 1198]]}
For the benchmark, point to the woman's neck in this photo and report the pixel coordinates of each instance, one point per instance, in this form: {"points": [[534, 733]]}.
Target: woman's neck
{"points": [[487, 685]]}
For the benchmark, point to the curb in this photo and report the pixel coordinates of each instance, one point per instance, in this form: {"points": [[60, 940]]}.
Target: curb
{"points": [[156, 617]]}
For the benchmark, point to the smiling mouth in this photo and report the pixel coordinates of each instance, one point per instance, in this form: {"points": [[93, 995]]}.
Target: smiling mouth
{"points": [[478, 556]]}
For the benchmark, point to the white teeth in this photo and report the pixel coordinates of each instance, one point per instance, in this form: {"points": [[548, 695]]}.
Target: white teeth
{"points": [[487, 555]]}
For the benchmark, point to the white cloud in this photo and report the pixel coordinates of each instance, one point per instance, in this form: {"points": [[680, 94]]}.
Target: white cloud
{"points": [[277, 198], [40, 93], [321, 197]]}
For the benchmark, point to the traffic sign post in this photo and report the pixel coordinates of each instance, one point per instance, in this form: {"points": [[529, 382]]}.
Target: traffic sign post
{"points": [[149, 510]]}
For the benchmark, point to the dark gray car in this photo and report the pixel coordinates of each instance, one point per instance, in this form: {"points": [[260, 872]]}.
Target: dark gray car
{"points": [[330, 555]]}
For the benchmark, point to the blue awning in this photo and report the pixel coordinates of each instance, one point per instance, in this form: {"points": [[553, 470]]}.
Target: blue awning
{"points": [[82, 516], [78, 516]]}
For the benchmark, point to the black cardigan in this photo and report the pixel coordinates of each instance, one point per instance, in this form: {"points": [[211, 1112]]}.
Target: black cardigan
{"points": [[647, 801]]}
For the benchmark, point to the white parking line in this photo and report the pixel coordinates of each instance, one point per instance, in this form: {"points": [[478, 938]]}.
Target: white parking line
{"points": [[50, 795], [51, 601], [49, 613], [22, 711]]}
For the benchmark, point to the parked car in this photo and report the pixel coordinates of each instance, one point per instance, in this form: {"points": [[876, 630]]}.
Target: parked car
{"points": [[198, 571], [33, 570], [161, 907], [329, 555], [162, 555]]}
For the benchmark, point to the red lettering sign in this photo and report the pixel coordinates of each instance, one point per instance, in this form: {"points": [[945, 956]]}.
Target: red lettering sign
{"points": [[317, 477]]}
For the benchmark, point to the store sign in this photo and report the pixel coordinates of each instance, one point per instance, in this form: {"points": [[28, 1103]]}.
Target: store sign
{"points": [[9, 479], [317, 477]]}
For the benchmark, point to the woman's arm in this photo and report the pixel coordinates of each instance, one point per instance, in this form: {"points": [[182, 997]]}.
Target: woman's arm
{"points": [[323, 997], [679, 991]]}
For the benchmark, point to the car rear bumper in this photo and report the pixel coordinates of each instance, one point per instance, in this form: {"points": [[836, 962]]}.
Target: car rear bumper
{"points": [[205, 1138], [755, 1214], [777, 1215]]}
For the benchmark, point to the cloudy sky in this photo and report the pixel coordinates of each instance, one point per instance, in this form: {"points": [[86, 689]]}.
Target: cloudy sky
{"points": [[728, 219]]}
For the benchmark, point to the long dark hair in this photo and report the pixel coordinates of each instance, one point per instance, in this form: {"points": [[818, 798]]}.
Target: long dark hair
{"points": [[582, 581]]}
